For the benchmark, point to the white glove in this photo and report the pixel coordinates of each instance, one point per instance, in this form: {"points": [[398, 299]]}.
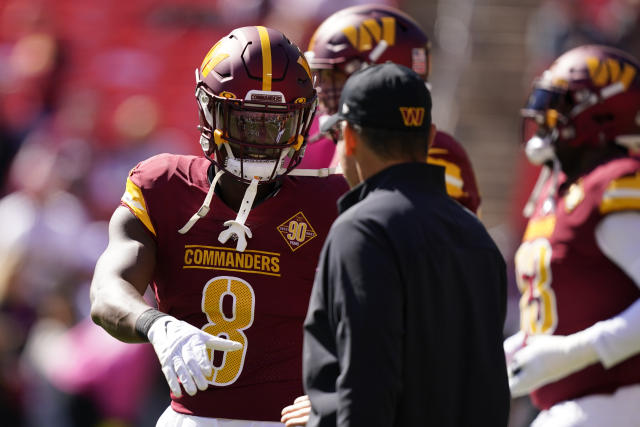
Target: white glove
{"points": [[547, 358], [512, 344], [182, 351]]}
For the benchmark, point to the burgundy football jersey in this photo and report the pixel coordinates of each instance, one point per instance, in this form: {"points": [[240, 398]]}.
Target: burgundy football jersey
{"points": [[258, 297], [445, 151], [459, 176], [567, 283]]}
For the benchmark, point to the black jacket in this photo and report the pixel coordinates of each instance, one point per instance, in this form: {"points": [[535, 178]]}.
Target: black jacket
{"points": [[405, 321]]}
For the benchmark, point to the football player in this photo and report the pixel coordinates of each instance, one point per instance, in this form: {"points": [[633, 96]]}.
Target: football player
{"points": [[578, 267], [231, 280], [359, 35]]}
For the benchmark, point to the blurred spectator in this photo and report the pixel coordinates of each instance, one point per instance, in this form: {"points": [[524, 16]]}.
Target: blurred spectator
{"points": [[88, 374], [135, 126], [45, 253], [30, 67]]}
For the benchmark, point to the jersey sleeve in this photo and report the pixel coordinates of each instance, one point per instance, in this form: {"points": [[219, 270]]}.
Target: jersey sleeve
{"points": [[147, 178], [621, 194], [133, 199]]}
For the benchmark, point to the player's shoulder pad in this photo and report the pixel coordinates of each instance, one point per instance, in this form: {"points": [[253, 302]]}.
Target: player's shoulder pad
{"points": [[321, 181], [150, 175], [620, 180], [159, 169], [443, 144]]}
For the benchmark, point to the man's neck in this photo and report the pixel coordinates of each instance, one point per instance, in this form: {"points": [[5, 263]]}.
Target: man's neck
{"points": [[370, 164]]}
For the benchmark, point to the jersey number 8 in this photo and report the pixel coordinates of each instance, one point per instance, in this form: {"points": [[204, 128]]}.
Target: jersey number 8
{"points": [[228, 323]]}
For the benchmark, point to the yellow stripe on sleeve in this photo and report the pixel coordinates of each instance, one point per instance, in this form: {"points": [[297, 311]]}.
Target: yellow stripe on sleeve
{"points": [[622, 194], [619, 203], [267, 72], [134, 199], [453, 176]]}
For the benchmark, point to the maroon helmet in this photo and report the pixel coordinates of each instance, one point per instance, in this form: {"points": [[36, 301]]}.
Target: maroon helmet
{"points": [[588, 97], [256, 101], [361, 35]]}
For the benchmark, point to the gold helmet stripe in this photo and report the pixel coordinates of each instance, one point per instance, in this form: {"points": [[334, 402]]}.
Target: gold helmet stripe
{"points": [[211, 60], [267, 72], [303, 61]]}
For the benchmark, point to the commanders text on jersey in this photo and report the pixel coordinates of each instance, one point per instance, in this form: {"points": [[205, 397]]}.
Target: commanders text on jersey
{"points": [[220, 258]]}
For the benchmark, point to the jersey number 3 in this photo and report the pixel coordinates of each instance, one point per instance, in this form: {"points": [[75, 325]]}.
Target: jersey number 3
{"points": [[229, 304], [538, 313]]}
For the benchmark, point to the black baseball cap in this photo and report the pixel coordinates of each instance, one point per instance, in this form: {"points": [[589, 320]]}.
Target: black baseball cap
{"points": [[384, 96]]}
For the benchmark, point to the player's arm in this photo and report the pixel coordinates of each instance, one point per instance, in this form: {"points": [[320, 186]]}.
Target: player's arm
{"points": [[122, 275], [546, 358]]}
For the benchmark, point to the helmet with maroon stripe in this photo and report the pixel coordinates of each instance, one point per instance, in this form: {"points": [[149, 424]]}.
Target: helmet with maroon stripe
{"points": [[359, 35], [588, 97], [256, 100]]}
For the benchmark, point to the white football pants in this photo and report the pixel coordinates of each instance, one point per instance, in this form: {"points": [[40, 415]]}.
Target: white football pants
{"points": [[171, 418]]}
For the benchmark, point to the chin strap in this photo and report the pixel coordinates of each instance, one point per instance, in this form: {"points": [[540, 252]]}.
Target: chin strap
{"points": [[549, 203], [533, 198], [237, 226], [204, 209]]}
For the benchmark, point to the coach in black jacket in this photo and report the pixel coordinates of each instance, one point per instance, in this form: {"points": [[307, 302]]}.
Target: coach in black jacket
{"points": [[405, 321]]}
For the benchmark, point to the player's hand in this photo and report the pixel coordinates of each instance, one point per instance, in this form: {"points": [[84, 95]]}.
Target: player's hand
{"points": [[298, 413], [512, 344], [182, 351], [548, 358]]}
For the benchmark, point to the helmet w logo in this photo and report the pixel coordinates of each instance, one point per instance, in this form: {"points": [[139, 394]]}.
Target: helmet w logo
{"points": [[370, 30], [412, 116], [610, 70]]}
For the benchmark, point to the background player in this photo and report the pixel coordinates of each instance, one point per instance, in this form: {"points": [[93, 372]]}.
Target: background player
{"points": [[578, 267], [359, 35], [241, 267]]}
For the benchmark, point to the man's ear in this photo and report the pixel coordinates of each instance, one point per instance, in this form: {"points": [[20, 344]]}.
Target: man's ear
{"points": [[350, 140], [432, 134]]}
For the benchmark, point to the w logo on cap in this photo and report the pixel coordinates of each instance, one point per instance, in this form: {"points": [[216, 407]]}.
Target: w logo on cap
{"points": [[412, 116]]}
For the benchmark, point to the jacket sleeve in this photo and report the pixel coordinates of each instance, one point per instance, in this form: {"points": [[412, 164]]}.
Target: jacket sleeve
{"points": [[362, 294]]}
